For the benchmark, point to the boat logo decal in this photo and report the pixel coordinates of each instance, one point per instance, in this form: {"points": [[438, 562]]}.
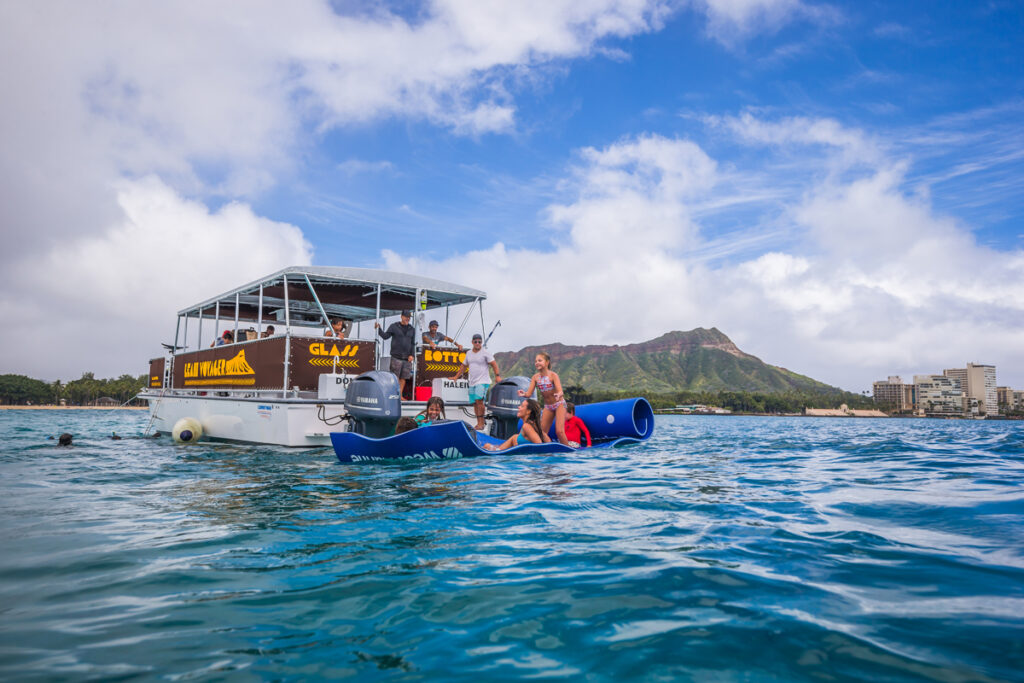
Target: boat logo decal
{"points": [[441, 367], [220, 371], [320, 349], [450, 453], [339, 362], [444, 356], [333, 357]]}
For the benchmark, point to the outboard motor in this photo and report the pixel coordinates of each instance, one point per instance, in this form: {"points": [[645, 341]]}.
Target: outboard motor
{"points": [[503, 403], [372, 402]]}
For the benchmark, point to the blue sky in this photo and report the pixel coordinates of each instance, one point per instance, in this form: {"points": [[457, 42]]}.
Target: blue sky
{"points": [[837, 186]]}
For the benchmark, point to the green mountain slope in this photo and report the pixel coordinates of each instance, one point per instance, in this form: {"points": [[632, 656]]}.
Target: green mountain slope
{"points": [[698, 360]]}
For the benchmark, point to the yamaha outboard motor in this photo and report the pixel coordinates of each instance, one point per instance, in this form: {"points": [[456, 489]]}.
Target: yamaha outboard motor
{"points": [[503, 403], [372, 402]]}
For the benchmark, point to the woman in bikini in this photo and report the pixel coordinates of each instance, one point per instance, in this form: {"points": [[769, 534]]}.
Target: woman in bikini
{"points": [[550, 387], [529, 412]]}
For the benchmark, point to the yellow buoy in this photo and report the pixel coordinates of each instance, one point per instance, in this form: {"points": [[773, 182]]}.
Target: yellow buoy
{"points": [[187, 430]]}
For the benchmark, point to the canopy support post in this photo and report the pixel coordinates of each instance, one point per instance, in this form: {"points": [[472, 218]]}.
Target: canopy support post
{"points": [[287, 341], [376, 337], [259, 314], [327, 321], [483, 327]]}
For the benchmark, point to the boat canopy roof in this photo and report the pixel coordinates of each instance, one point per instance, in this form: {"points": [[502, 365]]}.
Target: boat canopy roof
{"points": [[349, 293]]}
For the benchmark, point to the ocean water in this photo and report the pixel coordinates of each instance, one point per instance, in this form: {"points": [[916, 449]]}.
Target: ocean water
{"points": [[724, 549]]}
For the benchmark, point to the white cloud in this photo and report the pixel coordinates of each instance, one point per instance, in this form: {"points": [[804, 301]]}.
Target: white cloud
{"points": [[847, 147], [219, 103], [730, 21], [353, 167], [875, 282], [108, 296]]}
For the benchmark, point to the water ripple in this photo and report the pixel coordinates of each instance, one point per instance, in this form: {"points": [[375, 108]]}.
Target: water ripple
{"points": [[723, 549]]}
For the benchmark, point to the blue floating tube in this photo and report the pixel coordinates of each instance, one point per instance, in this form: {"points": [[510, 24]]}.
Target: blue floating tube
{"points": [[611, 424], [631, 418]]}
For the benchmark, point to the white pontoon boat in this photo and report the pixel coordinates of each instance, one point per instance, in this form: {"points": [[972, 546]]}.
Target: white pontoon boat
{"points": [[289, 388]]}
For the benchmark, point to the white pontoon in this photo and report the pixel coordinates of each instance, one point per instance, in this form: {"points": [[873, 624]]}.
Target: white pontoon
{"points": [[288, 388]]}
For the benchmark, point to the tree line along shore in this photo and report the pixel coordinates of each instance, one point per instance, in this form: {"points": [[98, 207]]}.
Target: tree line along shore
{"points": [[89, 391], [86, 391]]}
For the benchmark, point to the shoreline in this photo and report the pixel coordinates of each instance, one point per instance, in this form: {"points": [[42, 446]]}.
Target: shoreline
{"points": [[73, 407]]}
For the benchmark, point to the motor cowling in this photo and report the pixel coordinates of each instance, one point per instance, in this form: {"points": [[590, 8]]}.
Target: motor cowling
{"points": [[373, 403], [503, 403]]}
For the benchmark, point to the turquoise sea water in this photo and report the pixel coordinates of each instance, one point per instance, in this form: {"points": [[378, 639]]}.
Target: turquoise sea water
{"points": [[724, 549]]}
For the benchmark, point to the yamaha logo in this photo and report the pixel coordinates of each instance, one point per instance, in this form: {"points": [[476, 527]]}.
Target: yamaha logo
{"points": [[366, 399], [509, 402]]}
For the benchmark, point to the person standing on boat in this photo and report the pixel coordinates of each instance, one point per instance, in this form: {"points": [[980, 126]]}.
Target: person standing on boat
{"points": [[476, 364], [433, 337], [403, 342]]}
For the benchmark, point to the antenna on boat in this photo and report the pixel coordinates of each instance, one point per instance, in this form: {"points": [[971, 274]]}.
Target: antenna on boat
{"points": [[496, 325]]}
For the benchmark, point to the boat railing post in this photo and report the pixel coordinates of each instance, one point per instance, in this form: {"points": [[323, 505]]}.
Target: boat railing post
{"points": [[199, 333], [184, 334], [216, 320], [235, 335]]}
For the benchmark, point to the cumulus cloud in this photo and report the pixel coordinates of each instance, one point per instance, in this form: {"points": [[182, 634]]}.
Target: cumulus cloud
{"points": [[122, 117], [875, 281], [108, 296], [614, 251]]}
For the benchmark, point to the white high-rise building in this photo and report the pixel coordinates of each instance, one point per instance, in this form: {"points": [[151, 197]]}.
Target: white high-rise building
{"points": [[985, 377], [939, 395], [959, 374], [978, 381]]}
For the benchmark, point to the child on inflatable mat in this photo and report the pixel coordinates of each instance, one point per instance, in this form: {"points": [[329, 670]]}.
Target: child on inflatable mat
{"points": [[574, 427], [434, 412]]}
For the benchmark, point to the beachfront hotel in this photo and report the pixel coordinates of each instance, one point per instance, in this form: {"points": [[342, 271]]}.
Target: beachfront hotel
{"points": [[957, 392], [978, 382]]}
